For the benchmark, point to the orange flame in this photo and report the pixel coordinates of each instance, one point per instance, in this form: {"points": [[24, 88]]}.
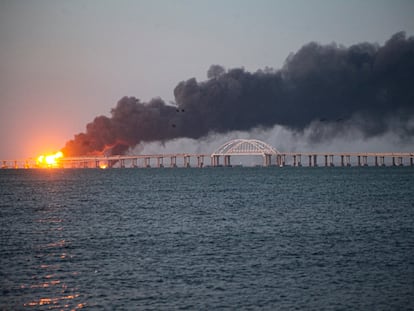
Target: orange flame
{"points": [[103, 166], [49, 160]]}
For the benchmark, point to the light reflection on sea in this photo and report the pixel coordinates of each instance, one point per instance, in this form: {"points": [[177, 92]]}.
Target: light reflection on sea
{"points": [[52, 260]]}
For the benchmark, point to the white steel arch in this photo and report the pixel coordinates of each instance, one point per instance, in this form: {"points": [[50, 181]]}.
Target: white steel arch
{"points": [[245, 147]]}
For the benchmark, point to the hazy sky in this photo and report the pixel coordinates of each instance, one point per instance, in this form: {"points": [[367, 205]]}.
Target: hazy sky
{"points": [[64, 62]]}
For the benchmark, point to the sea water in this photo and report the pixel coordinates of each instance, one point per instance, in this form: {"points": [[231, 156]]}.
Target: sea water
{"points": [[207, 239]]}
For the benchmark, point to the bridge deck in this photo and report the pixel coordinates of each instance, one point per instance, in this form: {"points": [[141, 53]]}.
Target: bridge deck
{"points": [[279, 159]]}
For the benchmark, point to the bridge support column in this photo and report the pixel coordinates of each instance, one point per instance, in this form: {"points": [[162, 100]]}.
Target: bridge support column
{"points": [[342, 160], [200, 161], [359, 160], [160, 162], [313, 160], [134, 162], [296, 160], [400, 161], [382, 161], [376, 160], [365, 161], [328, 160], [216, 160], [282, 160], [186, 161], [348, 160], [279, 160], [227, 160], [331, 160], [411, 161], [122, 161], [393, 161], [299, 160], [267, 159], [97, 164], [147, 162], [173, 161]]}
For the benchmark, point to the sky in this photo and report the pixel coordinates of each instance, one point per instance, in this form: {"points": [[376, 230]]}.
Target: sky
{"points": [[62, 63]]}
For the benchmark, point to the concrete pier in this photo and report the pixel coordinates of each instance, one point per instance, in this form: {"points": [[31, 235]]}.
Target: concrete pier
{"points": [[227, 161], [297, 160], [186, 161], [279, 160], [329, 160], [173, 161], [299, 163], [215, 160], [200, 161], [267, 160], [282, 160]]}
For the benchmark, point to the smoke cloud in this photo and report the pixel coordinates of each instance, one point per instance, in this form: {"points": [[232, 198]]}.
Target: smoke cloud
{"points": [[321, 90]]}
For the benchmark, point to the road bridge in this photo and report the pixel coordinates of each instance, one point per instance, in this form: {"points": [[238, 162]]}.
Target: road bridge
{"points": [[238, 147]]}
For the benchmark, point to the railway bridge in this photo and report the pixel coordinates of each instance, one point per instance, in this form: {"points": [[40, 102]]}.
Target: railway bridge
{"points": [[237, 147]]}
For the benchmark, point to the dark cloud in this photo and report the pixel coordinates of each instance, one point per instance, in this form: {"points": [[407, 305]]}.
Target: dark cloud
{"points": [[330, 87], [131, 122]]}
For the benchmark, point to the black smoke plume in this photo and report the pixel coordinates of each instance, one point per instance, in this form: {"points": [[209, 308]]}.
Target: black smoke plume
{"points": [[364, 86]]}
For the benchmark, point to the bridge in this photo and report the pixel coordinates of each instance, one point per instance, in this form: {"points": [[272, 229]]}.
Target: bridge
{"points": [[238, 147], [248, 147]]}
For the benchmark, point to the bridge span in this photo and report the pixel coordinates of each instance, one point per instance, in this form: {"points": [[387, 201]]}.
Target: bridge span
{"points": [[234, 148]]}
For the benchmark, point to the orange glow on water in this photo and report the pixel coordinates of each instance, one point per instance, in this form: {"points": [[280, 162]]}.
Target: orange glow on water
{"points": [[57, 301], [49, 160]]}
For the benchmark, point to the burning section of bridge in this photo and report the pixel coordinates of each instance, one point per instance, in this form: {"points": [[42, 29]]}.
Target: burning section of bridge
{"points": [[49, 160]]}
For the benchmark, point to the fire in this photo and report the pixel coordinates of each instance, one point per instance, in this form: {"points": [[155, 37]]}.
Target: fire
{"points": [[49, 160], [103, 166]]}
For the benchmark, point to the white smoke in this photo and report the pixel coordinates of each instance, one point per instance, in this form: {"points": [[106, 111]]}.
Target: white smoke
{"points": [[285, 140]]}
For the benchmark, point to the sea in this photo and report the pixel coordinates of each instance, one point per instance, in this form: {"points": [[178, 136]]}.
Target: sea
{"points": [[241, 238]]}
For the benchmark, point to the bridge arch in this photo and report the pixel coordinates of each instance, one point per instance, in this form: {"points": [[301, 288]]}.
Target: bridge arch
{"points": [[243, 147]]}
